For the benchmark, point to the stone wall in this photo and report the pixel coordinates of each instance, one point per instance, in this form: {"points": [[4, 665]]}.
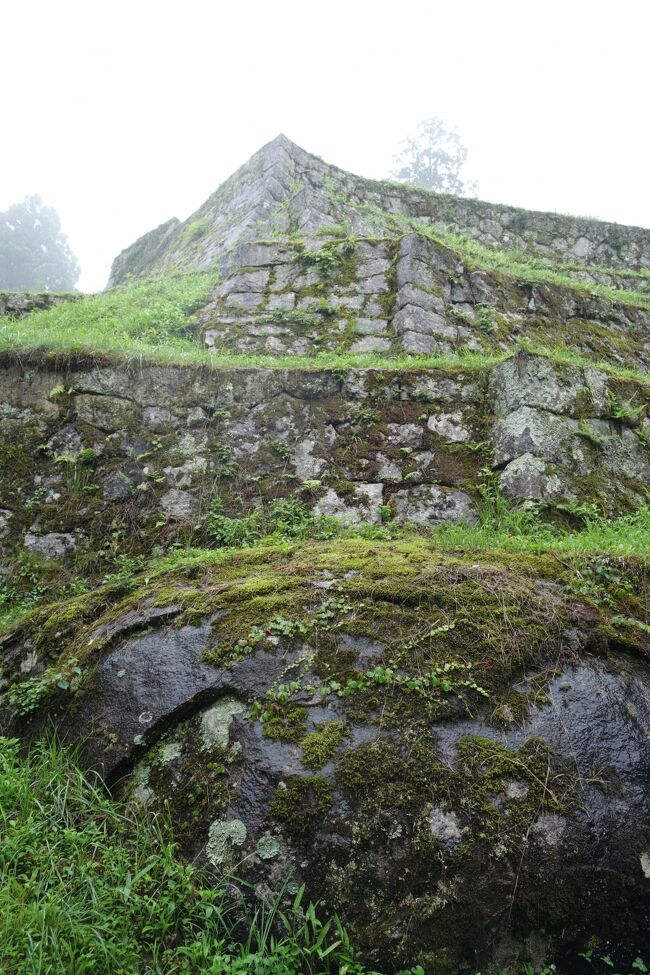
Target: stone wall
{"points": [[284, 189], [90, 450], [312, 259], [404, 296], [305, 707], [15, 304]]}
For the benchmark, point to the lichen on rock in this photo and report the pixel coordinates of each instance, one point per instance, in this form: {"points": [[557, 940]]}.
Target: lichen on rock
{"points": [[215, 722], [225, 837]]}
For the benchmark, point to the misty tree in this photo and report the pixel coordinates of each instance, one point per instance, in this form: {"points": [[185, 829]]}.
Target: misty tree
{"points": [[34, 253], [433, 158]]}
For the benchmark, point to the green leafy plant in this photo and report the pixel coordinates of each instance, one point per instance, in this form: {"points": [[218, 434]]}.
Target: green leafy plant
{"points": [[282, 519], [156, 476], [78, 479], [195, 230], [328, 258], [228, 467], [385, 512], [626, 413], [585, 512], [320, 619], [605, 963], [601, 580], [288, 316], [485, 319], [282, 449], [326, 308], [125, 569], [366, 415], [28, 695], [619, 620], [440, 680], [311, 485], [225, 532]]}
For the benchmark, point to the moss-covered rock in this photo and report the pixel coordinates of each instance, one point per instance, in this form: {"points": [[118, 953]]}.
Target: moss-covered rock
{"points": [[431, 737]]}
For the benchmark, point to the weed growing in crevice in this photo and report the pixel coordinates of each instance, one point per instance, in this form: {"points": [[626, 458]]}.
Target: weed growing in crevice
{"points": [[319, 620], [285, 518], [28, 695], [328, 259], [485, 319], [439, 680], [629, 413]]}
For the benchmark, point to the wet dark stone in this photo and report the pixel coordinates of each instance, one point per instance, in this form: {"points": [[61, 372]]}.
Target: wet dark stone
{"points": [[411, 854]]}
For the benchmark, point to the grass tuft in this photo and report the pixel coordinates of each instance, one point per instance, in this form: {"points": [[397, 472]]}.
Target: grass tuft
{"points": [[87, 886], [148, 318]]}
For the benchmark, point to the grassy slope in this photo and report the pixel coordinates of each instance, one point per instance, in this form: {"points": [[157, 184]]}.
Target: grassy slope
{"points": [[521, 533], [584, 562], [148, 319], [521, 266], [151, 321]]}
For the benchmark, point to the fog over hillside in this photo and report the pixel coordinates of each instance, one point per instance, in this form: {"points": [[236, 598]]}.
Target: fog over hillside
{"points": [[130, 114]]}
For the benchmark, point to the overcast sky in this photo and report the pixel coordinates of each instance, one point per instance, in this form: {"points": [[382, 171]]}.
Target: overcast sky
{"points": [[124, 114]]}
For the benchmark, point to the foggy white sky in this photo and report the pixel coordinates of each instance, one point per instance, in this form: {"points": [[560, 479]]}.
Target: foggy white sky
{"points": [[124, 114]]}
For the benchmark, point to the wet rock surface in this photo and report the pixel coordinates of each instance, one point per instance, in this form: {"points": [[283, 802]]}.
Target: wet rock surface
{"points": [[364, 717]]}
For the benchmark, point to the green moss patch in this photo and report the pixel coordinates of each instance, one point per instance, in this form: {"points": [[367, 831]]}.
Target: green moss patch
{"points": [[319, 746], [452, 630], [301, 804], [386, 774], [285, 723]]}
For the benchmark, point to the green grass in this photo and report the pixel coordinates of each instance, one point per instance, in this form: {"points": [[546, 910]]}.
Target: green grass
{"points": [[150, 322], [514, 263], [88, 886], [280, 523], [527, 529], [525, 268], [531, 529], [195, 230], [148, 318], [523, 530], [567, 356]]}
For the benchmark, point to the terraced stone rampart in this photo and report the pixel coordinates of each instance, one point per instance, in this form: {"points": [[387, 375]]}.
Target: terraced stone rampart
{"points": [[150, 450]]}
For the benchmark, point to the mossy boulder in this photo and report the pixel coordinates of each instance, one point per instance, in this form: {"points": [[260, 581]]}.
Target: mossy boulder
{"points": [[449, 750]]}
